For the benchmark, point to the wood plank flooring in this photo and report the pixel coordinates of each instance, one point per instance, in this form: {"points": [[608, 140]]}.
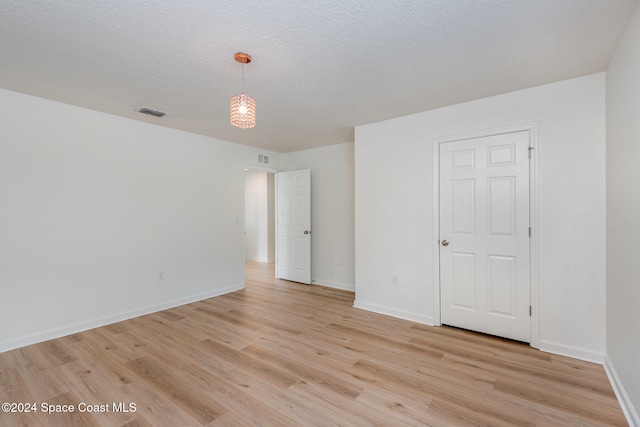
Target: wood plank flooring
{"points": [[285, 354]]}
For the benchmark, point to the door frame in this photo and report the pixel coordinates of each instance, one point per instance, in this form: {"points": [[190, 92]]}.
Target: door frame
{"points": [[251, 168], [247, 167], [533, 218]]}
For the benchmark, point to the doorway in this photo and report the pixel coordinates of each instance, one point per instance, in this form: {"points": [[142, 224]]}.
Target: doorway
{"points": [[259, 221]]}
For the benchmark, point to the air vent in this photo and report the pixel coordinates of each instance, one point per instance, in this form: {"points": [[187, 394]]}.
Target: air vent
{"points": [[149, 111], [263, 159]]}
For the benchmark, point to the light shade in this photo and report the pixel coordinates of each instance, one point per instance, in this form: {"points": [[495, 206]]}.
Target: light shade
{"points": [[243, 111]]}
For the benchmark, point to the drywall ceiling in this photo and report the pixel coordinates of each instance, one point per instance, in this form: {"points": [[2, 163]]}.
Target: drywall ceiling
{"points": [[320, 67]]}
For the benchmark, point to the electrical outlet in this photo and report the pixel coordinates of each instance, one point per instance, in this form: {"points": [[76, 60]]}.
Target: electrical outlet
{"points": [[341, 261], [160, 276], [395, 281]]}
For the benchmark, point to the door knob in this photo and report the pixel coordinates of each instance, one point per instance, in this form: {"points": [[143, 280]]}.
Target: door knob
{"points": [[445, 243], [307, 232]]}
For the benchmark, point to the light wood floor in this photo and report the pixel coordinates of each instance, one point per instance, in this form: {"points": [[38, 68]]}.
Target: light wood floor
{"points": [[286, 354]]}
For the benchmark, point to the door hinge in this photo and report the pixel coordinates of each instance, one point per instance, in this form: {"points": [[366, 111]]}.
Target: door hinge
{"points": [[529, 311], [530, 151], [529, 232]]}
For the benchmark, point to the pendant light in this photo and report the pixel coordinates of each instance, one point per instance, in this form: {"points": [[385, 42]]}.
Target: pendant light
{"points": [[243, 107]]}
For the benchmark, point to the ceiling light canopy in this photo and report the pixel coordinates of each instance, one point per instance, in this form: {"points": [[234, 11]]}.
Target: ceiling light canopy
{"points": [[242, 106]]}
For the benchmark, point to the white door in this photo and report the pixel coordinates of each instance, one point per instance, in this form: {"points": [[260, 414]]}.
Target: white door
{"points": [[484, 234], [293, 226]]}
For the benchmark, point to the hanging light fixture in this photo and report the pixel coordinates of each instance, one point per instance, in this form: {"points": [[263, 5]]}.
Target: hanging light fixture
{"points": [[243, 107]]}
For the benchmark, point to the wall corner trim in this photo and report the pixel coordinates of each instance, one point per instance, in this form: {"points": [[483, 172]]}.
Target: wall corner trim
{"points": [[630, 413]]}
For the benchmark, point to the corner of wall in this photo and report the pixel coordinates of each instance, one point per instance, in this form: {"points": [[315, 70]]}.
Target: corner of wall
{"points": [[629, 411]]}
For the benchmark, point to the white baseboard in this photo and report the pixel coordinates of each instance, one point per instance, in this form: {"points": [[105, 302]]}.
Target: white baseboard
{"points": [[576, 353], [336, 285], [629, 411], [401, 314], [106, 320]]}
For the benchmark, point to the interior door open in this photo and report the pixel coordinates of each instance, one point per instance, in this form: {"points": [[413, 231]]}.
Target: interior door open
{"points": [[293, 226], [484, 234]]}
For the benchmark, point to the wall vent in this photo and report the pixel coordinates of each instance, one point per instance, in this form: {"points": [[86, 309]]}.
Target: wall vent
{"points": [[263, 159], [149, 111]]}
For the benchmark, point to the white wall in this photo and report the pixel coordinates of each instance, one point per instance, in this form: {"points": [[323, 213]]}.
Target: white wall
{"points": [[394, 194], [259, 219], [332, 217], [93, 207], [623, 215]]}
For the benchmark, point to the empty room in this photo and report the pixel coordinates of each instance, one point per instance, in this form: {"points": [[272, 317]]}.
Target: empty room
{"points": [[336, 213]]}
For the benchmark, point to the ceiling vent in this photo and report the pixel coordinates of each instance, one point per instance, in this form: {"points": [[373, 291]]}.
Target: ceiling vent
{"points": [[149, 111], [263, 159]]}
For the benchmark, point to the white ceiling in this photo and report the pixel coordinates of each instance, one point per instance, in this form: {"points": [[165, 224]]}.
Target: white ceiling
{"points": [[319, 67]]}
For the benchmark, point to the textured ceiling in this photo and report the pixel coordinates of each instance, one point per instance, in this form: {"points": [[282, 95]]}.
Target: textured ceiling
{"points": [[320, 67]]}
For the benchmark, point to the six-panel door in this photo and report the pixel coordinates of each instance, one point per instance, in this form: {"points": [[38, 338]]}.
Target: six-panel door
{"points": [[484, 217]]}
